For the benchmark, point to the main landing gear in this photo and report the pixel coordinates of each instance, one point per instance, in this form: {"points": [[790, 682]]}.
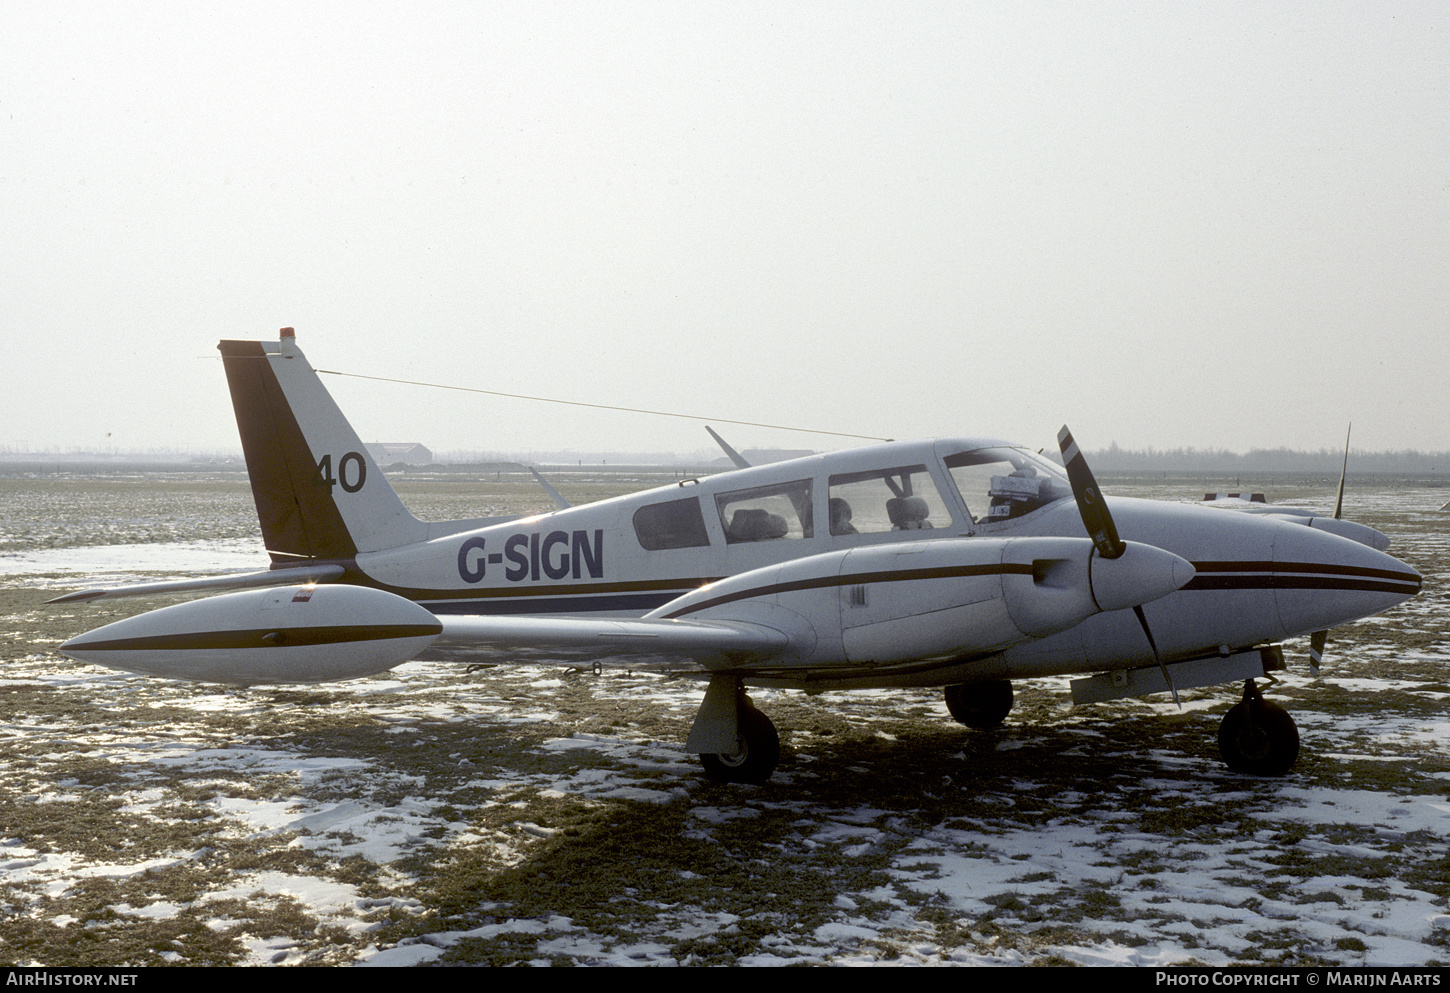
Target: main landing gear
{"points": [[980, 705], [1258, 737], [757, 744], [1255, 737]]}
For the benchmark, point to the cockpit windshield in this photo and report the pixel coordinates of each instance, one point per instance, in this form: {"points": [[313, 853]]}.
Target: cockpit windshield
{"points": [[999, 484]]}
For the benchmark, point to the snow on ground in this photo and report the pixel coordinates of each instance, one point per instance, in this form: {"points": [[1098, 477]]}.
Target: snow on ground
{"points": [[887, 836], [104, 565], [535, 814]]}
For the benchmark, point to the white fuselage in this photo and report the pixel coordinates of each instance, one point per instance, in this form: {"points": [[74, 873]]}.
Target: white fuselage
{"points": [[1259, 580]]}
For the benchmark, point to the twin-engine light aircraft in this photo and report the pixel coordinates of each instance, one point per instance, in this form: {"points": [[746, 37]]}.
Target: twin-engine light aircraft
{"points": [[959, 563]]}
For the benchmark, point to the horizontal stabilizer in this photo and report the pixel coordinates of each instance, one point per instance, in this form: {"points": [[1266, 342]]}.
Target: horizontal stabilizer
{"points": [[733, 455], [554, 494]]}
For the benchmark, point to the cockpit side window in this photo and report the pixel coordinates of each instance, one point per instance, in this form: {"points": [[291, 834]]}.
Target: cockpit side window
{"points": [[999, 484], [765, 513], [672, 524], [903, 498]]}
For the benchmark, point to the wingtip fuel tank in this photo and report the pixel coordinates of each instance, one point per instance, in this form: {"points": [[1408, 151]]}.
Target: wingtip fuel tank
{"points": [[288, 634]]}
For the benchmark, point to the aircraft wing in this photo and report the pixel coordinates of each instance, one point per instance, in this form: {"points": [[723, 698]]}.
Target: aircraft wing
{"points": [[304, 634], [1318, 520], [712, 644], [1333, 523], [877, 606], [1256, 504], [226, 582]]}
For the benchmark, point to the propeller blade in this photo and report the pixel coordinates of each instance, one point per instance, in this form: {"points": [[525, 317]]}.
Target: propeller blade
{"points": [[1317, 641], [1343, 471], [1143, 620], [1102, 530], [1090, 503]]}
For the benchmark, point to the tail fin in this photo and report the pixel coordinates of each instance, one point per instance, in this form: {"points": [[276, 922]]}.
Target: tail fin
{"points": [[319, 493]]}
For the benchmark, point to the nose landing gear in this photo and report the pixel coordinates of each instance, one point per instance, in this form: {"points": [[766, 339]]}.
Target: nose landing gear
{"points": [[1258, 737], [980, 705]]}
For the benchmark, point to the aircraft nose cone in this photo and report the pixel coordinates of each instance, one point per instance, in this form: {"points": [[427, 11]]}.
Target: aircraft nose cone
{"points": [[1322, 580]]}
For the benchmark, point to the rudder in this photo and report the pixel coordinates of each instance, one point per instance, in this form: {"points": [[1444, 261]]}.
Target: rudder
{"points": [[318, 492]]}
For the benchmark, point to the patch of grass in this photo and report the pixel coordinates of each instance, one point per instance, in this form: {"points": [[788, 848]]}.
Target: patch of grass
{"points": [[1187, 819], [1099, 903], [508, 948], [1430, 875], [1011, 902], [576, 873], [93, 826]]}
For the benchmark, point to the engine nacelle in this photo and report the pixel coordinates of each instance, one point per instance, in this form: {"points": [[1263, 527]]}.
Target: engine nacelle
{"points": [[932, 599], [1353, 530], [286, 634]]}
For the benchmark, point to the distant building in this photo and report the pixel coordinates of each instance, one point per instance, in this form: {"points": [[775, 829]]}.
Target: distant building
{"points": [[386, 453]]}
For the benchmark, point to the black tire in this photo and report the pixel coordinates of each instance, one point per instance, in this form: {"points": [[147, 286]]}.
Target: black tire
{"points": [[1265, 745], [980, 705], [758, 754]]}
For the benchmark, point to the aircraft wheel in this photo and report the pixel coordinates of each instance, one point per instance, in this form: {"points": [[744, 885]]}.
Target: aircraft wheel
{"points": [[1258, 737], [980, 705], [757, 755]]}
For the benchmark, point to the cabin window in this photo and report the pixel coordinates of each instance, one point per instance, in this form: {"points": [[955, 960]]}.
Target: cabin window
{"points": [[766, 513], [875, 500], [998, 484], [672, 524]]}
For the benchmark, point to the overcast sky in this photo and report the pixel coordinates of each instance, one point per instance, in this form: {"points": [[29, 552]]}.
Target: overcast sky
{"points": [[1224, 225]]}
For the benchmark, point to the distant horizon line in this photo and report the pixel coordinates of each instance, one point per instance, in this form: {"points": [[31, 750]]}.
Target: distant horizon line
{"points": [[1111, 459]]}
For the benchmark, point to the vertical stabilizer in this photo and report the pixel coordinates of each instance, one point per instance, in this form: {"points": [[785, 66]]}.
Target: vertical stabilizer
{"points": [[319, 493]]}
